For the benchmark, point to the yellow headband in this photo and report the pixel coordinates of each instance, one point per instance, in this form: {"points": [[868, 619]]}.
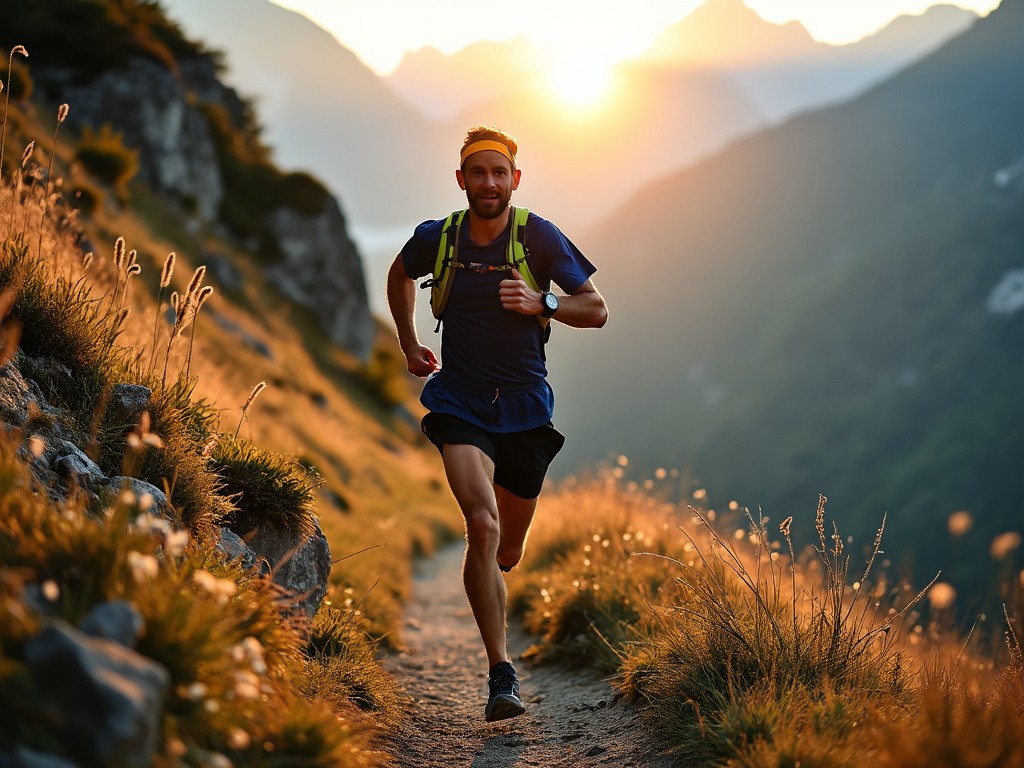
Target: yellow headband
{"points": [[485, 144]]}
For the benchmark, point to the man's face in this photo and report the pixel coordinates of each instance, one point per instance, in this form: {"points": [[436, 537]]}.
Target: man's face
{"points": [[489, 180]]}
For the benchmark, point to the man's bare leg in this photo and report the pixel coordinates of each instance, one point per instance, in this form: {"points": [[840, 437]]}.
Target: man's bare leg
{"points": [[470, 475], [515, 515]]}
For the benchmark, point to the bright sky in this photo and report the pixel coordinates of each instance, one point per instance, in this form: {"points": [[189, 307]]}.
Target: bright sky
{"points": [[381, 31]]}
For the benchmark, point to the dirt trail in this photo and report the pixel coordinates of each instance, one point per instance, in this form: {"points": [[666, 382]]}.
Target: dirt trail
{"points": [[573, 718]]}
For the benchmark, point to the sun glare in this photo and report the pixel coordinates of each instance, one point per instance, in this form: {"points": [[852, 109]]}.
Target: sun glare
{"points": [[581, 83]]}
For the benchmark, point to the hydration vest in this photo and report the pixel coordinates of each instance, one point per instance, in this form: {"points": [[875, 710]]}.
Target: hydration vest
{"points": [[448, 259]]}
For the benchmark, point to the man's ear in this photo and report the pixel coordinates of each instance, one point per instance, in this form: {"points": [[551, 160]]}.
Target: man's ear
{"points": [[462, 179], [516, 175]]}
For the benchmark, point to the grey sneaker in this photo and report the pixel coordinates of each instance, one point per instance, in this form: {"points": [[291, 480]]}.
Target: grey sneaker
{"points": [[504, 701]]}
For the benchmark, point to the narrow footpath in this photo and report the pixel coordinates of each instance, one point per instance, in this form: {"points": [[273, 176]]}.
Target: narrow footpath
{"points": [[573, 717]]}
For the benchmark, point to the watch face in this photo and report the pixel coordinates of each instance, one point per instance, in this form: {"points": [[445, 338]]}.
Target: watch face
{"points": [[550, 301]]}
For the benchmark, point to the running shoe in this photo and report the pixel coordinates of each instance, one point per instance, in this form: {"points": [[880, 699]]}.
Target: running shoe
{"points": [[504, 701]]}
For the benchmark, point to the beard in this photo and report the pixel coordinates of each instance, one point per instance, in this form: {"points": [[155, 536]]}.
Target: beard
{"points": [[488, 209]]}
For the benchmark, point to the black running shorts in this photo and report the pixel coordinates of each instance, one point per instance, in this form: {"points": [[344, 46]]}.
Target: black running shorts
{"points": [[520, 459]]}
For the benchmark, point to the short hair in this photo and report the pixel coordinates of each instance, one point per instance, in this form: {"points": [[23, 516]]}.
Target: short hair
{"points": [[486, 132]]}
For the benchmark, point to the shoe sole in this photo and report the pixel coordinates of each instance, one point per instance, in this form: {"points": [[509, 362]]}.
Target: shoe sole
{"points": [[504, 707]]}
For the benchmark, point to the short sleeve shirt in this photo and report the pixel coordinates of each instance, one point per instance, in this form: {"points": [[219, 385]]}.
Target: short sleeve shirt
{"points": [[493, 368]]}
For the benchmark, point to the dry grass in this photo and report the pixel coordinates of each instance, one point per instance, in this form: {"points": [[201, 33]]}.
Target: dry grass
{"points": [[326, 457], [741, 652]]}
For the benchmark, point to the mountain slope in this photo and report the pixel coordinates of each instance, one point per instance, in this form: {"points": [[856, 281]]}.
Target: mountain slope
{"points": [[810, 310], [782, 68], [343, 121]]}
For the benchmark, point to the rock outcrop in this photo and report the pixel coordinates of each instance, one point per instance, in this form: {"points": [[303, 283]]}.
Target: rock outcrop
{"points": [[322, 271], [162, 115]]}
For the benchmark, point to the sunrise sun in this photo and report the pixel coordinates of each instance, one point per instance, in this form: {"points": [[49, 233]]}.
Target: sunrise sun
{"points": [[580, 82]]}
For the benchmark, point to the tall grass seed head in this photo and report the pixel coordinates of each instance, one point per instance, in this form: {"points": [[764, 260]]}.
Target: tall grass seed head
{"points": [[29, 149], [168, 271], [196, 281], [119, 253], [254, 394], [62, 113], [19, 49], [204, 294]]}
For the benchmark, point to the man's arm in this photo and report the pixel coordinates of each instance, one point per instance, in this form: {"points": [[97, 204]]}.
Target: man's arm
{"points": [[401, 291], [583, 308]]}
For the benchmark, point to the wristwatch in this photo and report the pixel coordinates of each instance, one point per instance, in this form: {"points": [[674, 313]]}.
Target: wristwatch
{"points": [[550, 302]]}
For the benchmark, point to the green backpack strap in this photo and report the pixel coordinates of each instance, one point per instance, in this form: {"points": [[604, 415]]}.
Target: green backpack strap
{"points": [[440, 283], [516, 255], [447, 253]]}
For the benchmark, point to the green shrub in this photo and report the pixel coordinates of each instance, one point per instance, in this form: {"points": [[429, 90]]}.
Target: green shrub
{"points": [[106, 157], [253, 186], [61, 320], [265, 487], [85, 197], [342, 663]]}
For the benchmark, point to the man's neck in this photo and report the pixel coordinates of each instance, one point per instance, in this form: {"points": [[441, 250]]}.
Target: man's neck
{"points": [[484, 231]]}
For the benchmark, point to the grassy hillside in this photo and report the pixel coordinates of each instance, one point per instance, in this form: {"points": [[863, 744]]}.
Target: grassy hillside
{"points": [[328, 438]]}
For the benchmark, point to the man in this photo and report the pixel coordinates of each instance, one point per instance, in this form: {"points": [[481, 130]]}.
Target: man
{"points": [[490, 405]]}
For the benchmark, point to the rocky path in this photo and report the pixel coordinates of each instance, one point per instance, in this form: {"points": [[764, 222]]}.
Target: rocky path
{"points": [[573, 718]]}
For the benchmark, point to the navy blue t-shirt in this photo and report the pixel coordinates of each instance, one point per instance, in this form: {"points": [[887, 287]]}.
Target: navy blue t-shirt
{"points": [[492, 359]]}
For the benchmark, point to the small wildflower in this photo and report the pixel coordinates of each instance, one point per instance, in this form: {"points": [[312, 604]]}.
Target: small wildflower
{"points": [[51, 590], [247, 685], [36, 446], [238, 739], [143, 567], [941, 596], [175, 543], [960, 522], [193, 692], [149, 523], [209, 446], [1004, 544], [219, 589]]}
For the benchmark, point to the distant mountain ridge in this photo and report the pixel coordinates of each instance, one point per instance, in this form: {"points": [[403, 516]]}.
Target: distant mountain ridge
{"points": [[359, 134], [829, 307]]}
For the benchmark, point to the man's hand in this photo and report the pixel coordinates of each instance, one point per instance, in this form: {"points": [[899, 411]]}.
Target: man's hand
{"points": [[519, 297], [421, 361]]}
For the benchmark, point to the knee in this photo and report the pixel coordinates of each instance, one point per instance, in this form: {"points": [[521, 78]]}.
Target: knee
{"points": [[482, 529]]}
